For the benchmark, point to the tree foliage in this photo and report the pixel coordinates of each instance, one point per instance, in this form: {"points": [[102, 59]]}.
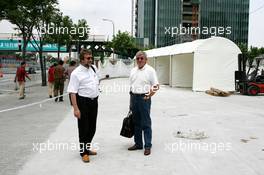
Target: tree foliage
{"points": [[26, 14], [251, 52], [30, 15], [124, 44]]}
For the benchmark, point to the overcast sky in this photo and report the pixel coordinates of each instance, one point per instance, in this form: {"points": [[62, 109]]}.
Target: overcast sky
{"points": [[120, 12]]}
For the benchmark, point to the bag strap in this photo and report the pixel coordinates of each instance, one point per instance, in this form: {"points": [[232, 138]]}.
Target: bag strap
{"points": [[130, 102], [93, 68]]}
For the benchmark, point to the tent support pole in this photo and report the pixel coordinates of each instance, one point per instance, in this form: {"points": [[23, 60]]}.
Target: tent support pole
{"points": [[170, 72], [154, 63]]}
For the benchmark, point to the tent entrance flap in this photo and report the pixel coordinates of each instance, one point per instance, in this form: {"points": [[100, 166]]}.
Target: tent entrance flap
{"points": [[151, 62], [182, 70], [162, 66]]}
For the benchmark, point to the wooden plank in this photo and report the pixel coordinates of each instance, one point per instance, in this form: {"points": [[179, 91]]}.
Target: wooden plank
{"points": [[217, 92]]}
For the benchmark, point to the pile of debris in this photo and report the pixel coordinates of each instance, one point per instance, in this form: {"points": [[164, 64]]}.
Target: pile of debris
{"points": [[217, 92], [194, 135]]}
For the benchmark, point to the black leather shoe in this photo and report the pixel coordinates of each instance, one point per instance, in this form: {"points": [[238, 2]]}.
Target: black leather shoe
{"points": [[134, 147], [147, 151]]}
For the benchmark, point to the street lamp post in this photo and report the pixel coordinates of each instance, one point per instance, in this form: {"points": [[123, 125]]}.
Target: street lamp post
{"points": [[132, 18], [109, 20]]}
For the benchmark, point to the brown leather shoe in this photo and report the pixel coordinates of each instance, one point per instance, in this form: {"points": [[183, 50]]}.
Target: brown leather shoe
{"points": [[92, 153], [134, 147], [85, 158], [147, 151]]}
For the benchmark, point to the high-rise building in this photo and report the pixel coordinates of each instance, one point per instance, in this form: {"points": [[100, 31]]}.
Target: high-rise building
{"points": [[165, 22]]}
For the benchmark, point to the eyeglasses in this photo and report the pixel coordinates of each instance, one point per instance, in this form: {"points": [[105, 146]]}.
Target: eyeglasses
{"points": [[140, 58], [89, 58]]}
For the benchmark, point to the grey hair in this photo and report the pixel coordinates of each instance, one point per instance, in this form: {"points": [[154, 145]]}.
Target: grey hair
{"points": [[141, 53]]}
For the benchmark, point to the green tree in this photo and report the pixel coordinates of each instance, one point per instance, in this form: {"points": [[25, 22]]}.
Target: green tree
{"points": [[253, 53], [25, 15], [261, 50], [3, 8], [6, 6], [82, 33], [21, 14], [46, 12], [61, 25], [244, 49], [250, 54], [124, 44]]}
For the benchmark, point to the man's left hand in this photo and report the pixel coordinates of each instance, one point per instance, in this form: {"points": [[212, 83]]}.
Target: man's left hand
{"points": [[147, 96]]}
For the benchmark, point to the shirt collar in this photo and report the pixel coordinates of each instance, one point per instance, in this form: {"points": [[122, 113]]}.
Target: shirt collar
{"points": [[84, 68], [143, 68]]}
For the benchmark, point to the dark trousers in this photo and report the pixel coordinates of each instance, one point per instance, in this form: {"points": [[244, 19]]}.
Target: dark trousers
{"points": [[87, 123], [142, 120], [58, 87]]}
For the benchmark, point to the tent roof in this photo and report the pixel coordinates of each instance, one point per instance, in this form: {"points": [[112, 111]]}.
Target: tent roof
{"points": [[188, 47]]}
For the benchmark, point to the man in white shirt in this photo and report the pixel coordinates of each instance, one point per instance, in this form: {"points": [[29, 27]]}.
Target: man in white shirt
{"points": [[143, 85], [84, 90]]}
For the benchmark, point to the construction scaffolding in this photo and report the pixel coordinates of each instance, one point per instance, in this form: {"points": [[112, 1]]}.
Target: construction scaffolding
{"points": [[190, 16]]}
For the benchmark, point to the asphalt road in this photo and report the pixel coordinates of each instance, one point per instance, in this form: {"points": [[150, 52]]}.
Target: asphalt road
{"points": [[20, 128]]}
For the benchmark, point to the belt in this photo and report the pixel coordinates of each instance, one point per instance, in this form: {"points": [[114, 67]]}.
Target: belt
{"points": [[95, 98], [92, 98], [138, 94]]}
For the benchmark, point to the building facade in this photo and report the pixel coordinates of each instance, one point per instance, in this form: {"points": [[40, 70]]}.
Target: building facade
{"points": [[161, 23]]}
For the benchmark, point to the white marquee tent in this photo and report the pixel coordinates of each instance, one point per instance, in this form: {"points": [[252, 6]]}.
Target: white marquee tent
{"points": [[119, 69], [199, 65]]}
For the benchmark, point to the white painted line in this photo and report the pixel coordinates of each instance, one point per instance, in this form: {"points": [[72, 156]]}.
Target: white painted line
{"points": [[6, 90], [4, 80], [32, 104]]}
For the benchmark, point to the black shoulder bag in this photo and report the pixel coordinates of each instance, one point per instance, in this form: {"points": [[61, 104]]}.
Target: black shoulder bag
{"points": [[127, 129]]}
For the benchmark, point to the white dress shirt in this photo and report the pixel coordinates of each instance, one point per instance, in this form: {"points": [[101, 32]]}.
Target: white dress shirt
{"points": [[142, 80], [84, 81]]}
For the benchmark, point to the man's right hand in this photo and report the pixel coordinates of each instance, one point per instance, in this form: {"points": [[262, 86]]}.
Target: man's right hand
{"points": [[76, 110], [77, 113]]}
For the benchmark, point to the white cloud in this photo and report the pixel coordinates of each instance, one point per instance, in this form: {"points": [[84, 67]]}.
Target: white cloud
{"points": [[256, 26], [95, 10]]}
